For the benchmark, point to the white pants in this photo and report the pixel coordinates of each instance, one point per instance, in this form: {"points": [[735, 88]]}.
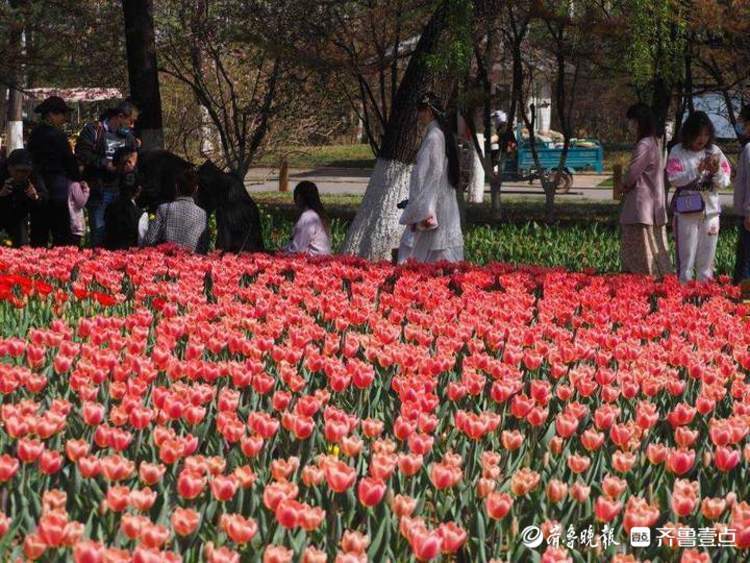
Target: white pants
{"points": [[696, 237]]}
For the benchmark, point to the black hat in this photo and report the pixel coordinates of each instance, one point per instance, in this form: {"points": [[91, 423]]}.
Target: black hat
{"points": [[19, 158], [53, 104], [430, 100]]}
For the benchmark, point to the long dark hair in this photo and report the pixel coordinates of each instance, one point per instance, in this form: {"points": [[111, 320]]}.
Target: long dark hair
{"points": [[306, 194], [694, 125], [432, 102], [644, 117], [451, 153]]}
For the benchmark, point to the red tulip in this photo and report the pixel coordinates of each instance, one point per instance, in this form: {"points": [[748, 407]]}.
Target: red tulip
{"points": [[606, 510], [51, 528], [29, 450], [76, 449], [680, 461], [190, 485], [5, 523], [311, 517], [185, 521], [220, 555], [8, 467], [117, 498], [425, 544], [314, 555], [34, 546], [726, 459], [277, 554], [50, 462], [354, 542], [142, 499], [223, 488], [453, 537], [288, 513], [151, 473], [154, 536], [88, 552], [371, 491], [498, 505], [340, 476], [239, 529], [92, 413]]}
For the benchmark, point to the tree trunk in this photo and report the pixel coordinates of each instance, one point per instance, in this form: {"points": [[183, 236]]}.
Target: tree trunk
{"points": [[14, 120], [477, 181], [375, 231], [142, 70], [661, 101], [3, 106]]}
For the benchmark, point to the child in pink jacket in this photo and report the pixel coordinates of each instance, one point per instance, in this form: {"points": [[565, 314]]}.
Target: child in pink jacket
{"points": [[78, 195]]}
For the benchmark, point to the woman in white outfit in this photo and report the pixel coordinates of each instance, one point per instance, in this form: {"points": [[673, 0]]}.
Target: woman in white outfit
{"points": [[311, 232], [698, 169], [431, 216]]}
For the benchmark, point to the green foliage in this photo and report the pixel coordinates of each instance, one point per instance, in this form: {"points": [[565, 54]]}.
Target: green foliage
{"points": [[456, 48], [576, 247], [654, 40]]}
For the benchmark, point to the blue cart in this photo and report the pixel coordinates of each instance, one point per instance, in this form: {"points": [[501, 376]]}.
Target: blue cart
{"points": [[584, 155]]}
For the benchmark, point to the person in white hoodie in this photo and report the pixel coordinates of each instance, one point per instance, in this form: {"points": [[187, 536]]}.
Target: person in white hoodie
{"points": [[698, 169], [742, 198]]}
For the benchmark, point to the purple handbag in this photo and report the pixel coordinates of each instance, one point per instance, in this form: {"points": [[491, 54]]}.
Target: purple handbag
{"points": [[685, 203]]}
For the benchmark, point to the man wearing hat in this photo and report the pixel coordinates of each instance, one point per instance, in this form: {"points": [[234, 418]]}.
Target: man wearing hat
{"points": [[21, 190], [54, 162]]}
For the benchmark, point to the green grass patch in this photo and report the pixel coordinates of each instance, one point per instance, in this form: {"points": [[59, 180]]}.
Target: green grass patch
{"points": [[337, 156]]}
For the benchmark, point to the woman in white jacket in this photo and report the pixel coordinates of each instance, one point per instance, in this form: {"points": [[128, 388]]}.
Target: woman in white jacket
{"points": [[698, 169], [431, 216]]}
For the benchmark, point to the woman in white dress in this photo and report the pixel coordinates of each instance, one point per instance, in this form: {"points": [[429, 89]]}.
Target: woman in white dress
{"points": [[311, 232], [431, 216]]}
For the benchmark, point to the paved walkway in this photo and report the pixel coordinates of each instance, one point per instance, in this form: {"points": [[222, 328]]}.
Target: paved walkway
{"points": [[348, 181]]}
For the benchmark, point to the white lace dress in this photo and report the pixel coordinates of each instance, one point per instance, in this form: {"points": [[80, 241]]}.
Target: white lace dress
{"points": [[431, 197]]}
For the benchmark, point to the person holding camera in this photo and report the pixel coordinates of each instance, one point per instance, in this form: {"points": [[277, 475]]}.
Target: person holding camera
{"points": [[21, 190], [698, 169], [96, 147]]}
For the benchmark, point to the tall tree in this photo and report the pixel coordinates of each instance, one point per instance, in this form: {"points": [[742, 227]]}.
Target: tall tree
{"points": [[375, 231], [142, 69], [14, 120]]}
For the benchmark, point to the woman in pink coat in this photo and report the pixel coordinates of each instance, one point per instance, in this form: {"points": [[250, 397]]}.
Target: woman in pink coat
{"points": [[643, 219], [78, 195]]}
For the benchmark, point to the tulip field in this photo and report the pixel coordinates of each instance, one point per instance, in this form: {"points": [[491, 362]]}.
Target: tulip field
{"points": [[161, 407]]}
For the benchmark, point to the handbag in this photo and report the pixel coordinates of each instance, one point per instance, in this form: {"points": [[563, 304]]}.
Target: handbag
{"points": [[685, 202], [688, 199]]}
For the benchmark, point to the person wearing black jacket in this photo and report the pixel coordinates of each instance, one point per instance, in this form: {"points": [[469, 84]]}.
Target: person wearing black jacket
{"points": [[95, 149], [54, 162], [21, 190], [125, 222]]}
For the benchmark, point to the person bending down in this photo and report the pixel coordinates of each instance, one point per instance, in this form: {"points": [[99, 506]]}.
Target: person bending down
{"points": [[181, 221], [125, 224]]}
